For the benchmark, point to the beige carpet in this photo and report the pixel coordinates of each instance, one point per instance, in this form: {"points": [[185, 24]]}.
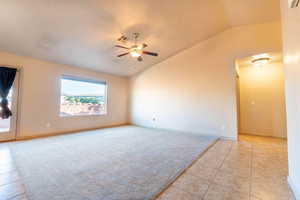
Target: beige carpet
{"points": [[124, 163]]}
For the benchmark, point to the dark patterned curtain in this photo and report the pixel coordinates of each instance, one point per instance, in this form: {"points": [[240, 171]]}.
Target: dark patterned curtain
{"points": [[295, 3], [7, 77]]}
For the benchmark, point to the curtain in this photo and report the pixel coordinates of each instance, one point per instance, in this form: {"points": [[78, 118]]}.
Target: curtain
{"points": [[7, 77], [295, 3]]}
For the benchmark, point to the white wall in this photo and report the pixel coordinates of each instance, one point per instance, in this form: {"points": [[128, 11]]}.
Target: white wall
{"points": [[291, 46], [40, 97], [262, 100], [195, 90]]}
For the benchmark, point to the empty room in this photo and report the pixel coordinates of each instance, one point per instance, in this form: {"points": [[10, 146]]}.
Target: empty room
{"points": [[150, 100]]}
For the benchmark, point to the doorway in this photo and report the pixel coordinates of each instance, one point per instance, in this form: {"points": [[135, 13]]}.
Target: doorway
{"points": [[260, 95], [8, 127]]}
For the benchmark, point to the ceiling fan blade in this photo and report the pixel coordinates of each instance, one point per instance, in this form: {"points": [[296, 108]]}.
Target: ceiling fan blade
{"points": [[150, 53], [141, 46], [140, 58], [123, 54], [119, 46], [144, 45]]}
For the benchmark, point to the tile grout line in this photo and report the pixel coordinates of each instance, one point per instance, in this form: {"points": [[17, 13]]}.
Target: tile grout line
{"points": [[185, 170], [217, 169], [251, 170], [209, 181]]}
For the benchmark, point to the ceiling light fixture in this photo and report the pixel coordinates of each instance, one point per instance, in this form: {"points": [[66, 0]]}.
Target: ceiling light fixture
{"points": [[260, 60]]}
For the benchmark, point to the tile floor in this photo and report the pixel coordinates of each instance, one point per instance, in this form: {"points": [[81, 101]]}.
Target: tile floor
{"points": [[254, 168]]}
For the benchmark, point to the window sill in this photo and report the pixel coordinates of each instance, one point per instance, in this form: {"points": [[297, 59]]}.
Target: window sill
{"points": [[83, 115]]}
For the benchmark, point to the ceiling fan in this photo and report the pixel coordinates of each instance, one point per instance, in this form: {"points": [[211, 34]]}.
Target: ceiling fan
{"points": [[136, 50]]}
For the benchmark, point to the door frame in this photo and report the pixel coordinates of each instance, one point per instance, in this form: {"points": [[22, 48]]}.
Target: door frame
{"points": [[12, 133]]}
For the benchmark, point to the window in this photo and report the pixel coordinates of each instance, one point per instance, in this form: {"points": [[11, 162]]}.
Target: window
{"points": [[82, 97]]}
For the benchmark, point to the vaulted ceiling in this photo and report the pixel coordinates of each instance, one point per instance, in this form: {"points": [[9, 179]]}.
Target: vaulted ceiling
{"points": [[83, 33]]}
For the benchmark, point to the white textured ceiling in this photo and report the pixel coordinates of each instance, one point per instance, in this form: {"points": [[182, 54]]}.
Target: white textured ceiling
{"points": [[243, 12], [83, 33]]}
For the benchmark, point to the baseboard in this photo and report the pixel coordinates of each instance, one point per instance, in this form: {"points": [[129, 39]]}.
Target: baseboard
{"points": [[233, 138], [196, 133], [30, 137], [294, 188], [261, 135]]}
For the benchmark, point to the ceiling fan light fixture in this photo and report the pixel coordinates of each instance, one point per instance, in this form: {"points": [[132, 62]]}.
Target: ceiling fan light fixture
{"points": [[136, 52]]}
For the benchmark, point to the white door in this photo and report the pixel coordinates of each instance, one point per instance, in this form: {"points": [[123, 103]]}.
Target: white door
{"points": [[8, 126]]}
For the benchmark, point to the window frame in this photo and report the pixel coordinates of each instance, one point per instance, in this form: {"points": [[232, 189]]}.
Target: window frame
{"points": [[87, 80]]}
